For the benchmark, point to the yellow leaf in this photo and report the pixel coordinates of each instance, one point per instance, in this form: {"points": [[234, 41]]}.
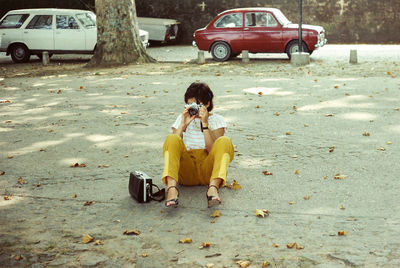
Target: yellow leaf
{"points": [[276, 114], [131, 232], [185, 240], [365, 134], [381, 149], [342, 233], [262, 212], [216, 214], [307, 197], [21, 181], [144, 255], [298, 246], [291, 245], [388, 142], [339, 177], [265, 264], [87, 239], [296, 172], [7, 197], [292, 202], [205, 245], [98, 242], [243, 264], [275, 245], [236, 185], [331, 149], [288, 133], [18, 257]]}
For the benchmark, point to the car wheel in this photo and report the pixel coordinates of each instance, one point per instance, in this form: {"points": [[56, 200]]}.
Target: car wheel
{"points": [[293, 47], [20, 53], [220, 51]]}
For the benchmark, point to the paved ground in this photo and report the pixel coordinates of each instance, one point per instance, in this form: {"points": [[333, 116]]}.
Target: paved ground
{"points": [[304, 125]]}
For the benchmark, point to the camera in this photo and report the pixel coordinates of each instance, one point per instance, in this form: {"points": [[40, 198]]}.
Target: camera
{"points": [[194, 108]]}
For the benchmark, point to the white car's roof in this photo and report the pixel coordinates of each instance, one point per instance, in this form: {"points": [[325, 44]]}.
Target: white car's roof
{"points": [[47, 10]]}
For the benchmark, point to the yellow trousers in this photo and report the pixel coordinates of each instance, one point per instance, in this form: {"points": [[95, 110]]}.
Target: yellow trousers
{"points": [[196, 166]]}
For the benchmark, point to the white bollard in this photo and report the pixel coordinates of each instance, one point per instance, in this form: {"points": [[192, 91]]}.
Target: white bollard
{"points": [[45, 58], [245, 56], [353, 56], [200, 57]]}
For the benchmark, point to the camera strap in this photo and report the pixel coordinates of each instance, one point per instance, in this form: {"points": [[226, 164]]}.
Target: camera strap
{"points": [[159, 195]]}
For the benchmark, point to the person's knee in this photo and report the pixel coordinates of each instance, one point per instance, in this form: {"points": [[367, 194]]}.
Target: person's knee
{"points": [[224, 141], [172, 138]]}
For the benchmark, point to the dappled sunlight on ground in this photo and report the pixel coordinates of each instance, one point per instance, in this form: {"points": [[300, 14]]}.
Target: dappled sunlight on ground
{"points": [[268, 91], [358, 116], [347, 102]]}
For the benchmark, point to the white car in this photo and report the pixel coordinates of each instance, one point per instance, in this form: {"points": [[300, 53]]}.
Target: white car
{"points": [[162, 30], [59, 31]]}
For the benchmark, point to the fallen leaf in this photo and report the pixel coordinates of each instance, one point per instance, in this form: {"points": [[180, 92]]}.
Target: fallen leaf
{"points": [[81, 87], [342, 207], [236, 185], [77, 165], [288, 133], [329, 115], [209, 265], [38, 184], [294, 107], [205, 245], [10, 157], [213, 221], [298, 246], [106, 166], [21, 181], [266, 173], [292, 202], [336, 86], [18, 258], [131, 232], [389, 73], [7, 197], [339, 177], [2, 173], [381, 149], [144, 255], [98, 242], [291, 245], [75, 196], [331, 149], [243, 264], [296, 172], [185, 240], [342, 233], [261, 213], [366, 134], [307, 197], [276, 114], [275, 245], [51, 130], [260, 93], [87, 239], [88, 203], [388, 142], [123, 112], [216, 214]]}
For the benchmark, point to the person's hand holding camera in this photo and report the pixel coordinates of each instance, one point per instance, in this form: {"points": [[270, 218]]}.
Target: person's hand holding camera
{"points": [[203, 114], [186, 118]]}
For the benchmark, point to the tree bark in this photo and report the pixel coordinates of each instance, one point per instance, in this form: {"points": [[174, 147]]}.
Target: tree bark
{"points": [[118, 39]]}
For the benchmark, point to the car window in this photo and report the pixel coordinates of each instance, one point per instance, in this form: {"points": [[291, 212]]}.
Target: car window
{"points": [[230, 20], [13, 21], [260, 19], [88, 20], [66, 22], [40, 22]]}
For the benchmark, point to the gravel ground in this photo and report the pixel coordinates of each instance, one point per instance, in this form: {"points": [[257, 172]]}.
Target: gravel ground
{"points": [[327, 133]]}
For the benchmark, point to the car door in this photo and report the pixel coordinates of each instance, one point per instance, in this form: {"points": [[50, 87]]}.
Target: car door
{"points": [[38, 33], [10, 29], [229, 28], [68, 34], [262, 32]]}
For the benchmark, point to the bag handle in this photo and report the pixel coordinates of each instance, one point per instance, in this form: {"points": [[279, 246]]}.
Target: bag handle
{"points": [[159, 195]]}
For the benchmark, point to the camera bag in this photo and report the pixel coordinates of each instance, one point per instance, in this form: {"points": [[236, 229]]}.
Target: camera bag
{"points": [[141, 188]]}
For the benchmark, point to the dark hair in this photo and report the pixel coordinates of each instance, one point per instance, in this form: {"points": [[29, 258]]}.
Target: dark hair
{"points": [[201, 92]]}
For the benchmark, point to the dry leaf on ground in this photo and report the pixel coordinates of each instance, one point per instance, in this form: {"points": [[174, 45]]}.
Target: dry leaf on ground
{"points": [[98, 242], [87, 239], [291, 245], [131, 232], [18, 257], [307, 197], [342, 233], [216, 214], [8, 197], [77, 165], [205, 245], [275, 245], [88, 203], [331, 149], [243, 264], [186, 240], [265, 264], [2, 173], [338, 176], [297, 172], [21, 181], [366, 134], [262, 213], [267, 173], [236, 185], [298, 246]]}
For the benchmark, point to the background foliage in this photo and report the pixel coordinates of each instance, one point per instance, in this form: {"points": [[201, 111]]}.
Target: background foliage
{"points": [[345, 21]]}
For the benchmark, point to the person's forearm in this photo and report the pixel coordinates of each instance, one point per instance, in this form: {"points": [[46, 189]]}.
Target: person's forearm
{"points": [[179, 131], [209, 137]]}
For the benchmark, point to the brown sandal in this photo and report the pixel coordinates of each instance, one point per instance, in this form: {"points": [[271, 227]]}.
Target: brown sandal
{"points": [[212, 199], [175, 200]]}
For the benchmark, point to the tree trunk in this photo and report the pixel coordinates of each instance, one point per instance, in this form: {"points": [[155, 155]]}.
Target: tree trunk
{"points": [[118, 39]]}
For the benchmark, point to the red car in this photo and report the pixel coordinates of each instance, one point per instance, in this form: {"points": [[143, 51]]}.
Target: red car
{"points": [[258, 30]]}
